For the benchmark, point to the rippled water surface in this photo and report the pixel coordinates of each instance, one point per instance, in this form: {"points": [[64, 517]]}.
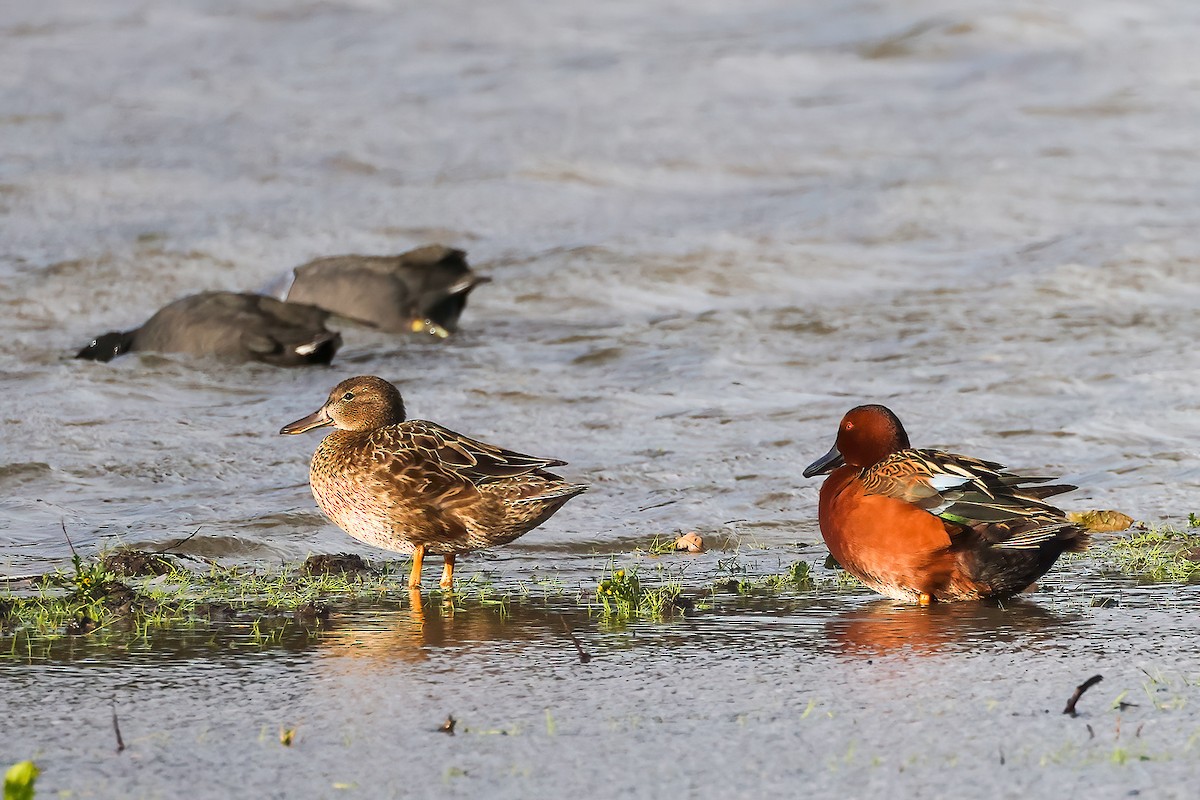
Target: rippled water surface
{"points": [[843, 696], [712, 227]]}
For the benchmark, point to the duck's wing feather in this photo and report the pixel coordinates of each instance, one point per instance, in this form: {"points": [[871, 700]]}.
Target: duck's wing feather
{"points": [[971, 493], [478, 462]]}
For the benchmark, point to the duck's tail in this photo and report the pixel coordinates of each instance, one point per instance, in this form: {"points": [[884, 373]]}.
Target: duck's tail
{"points": [[560, 493], [320, 349], [467, 282]]}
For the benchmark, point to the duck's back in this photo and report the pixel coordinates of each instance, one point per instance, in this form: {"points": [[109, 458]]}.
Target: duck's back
{"points": [[242, 327], [417, 483], [388, 292], [953, 527]]}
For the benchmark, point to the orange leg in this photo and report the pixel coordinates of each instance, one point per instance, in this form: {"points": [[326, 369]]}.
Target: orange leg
{"points": [[414, 575], [925, 599], [448, 572]]}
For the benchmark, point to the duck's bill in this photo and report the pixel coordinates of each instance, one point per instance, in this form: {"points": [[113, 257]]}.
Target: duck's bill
{"points": [[317, 419], [825, 464]]}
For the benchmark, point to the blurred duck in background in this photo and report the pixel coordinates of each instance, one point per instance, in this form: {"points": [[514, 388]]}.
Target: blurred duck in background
{"points": [[228, 325], [421, 291]]}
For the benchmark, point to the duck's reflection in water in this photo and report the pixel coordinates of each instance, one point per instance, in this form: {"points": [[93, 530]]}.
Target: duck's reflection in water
{"points": [[883, 627], [426, 625]]}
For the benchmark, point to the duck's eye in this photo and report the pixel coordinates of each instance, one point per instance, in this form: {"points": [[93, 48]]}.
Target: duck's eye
{"points": [[348, 396], [848, 426]]}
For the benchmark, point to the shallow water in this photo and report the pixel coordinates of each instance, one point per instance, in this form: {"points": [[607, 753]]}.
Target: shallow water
{"points": [[843, 695], [712, 229]]}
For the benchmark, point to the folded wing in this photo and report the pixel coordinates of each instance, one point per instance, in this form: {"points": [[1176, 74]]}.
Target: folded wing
{"points": [[1005, 509]]}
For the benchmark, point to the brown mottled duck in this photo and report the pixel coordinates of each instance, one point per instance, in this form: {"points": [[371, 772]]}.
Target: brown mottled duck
{"points": [[416, 487]]}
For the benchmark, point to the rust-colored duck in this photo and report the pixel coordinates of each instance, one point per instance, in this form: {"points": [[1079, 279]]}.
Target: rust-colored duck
{"points": [[923, 525], [416, 487]]}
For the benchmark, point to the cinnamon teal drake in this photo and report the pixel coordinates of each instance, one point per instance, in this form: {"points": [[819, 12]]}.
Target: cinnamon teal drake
{"points": [[415, 487], [421, 291], [923, 525], [228, 325]]}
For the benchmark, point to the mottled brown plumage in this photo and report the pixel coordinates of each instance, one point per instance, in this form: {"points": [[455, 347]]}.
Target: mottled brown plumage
{"points": [[416, 487]]}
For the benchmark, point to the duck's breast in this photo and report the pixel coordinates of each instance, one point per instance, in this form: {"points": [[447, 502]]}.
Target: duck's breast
{"points": [[888, 544]]}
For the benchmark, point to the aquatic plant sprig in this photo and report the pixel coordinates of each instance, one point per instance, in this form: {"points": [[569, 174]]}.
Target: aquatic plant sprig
{"points": [[1160, 555], [661, 544], [91, 596], [622, 595], [19, 780], [797, 577]]}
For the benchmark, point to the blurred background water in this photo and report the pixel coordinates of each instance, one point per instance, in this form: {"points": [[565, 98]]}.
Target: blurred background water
{"points": [[713, 228]]}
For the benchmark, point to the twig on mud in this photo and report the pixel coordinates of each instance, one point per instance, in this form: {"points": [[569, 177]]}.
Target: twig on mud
{"points": [[1079, 690], [117, 728], [584, 655]]}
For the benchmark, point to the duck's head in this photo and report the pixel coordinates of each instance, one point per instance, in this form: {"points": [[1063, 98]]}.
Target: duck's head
{"points": [[866, 436], [107, 346], [356, 404]]}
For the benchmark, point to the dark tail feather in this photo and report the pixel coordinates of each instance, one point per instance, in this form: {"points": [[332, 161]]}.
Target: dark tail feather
{"points": [[1042, 492], [321, 349], [561, 494]]}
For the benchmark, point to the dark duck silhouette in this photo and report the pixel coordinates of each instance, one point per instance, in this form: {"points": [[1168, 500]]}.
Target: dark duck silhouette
{"points": [[420, 291], [237, 327]]}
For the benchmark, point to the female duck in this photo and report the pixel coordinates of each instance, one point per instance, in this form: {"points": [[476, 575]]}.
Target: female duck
{"points": [[925, 525], [416, 487]]}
